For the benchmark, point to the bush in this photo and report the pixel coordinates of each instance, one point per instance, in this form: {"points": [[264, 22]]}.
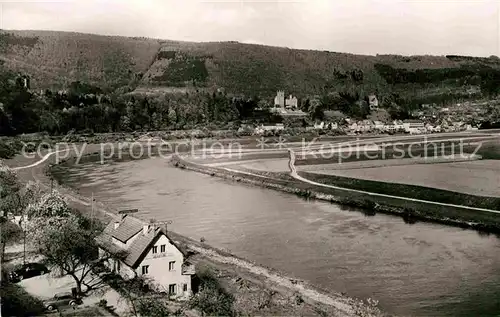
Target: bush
{"points": [[212, 299], [6, 150]]}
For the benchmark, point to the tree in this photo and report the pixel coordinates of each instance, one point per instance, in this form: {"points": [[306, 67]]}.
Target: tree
{"points": [[65, 240], [212, 299], [49, 205], [9, 232], [14, 201], [172, 116], [9, 189], [141, 295], [152, 307]]}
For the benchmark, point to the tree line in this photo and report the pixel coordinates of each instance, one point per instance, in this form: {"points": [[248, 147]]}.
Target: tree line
{"points": [[85, 108]]}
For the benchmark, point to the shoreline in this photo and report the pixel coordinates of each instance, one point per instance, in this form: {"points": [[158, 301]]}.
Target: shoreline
{"points": [[316, 300]]}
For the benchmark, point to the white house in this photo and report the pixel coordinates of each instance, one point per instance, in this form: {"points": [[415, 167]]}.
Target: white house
{"points": [[143, 249], [378, 125], [390, 127], [413, 126], [264, 128], [366, 125], [354, 127], [333, 125], [398, 124], [279, 100], [471, 128], [319, 126], [291, 102]]}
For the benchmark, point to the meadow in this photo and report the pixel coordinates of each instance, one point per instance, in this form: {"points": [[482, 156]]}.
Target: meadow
{"points": [[474, 177]]}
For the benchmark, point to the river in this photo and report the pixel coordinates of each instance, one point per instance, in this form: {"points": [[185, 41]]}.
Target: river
{"points": [[419, 269]]}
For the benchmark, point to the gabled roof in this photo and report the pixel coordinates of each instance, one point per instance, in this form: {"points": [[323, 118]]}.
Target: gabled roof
{"points": [[129, 227], [140, 247], [136, 252]]}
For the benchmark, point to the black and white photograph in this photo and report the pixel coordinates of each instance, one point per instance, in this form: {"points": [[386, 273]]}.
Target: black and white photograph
{"points": [[235, 158]]}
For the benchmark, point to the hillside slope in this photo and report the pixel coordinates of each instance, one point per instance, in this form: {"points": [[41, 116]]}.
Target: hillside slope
{"points": [[57, 58]]}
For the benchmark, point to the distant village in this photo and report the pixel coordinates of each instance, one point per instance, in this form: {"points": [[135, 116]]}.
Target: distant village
{"points": [[428, 119]]}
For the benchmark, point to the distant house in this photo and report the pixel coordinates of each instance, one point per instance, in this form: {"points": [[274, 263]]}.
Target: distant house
{"points": [[390, 127], [367, 126], [353, 127], [291, 102], [399, 125], [430, 128], [279, 100], [373, 102], [146, 250], [471, 128], [263, 128], [319, 126], [459, 126], [333, 126], [378, 125], [412, 126]]}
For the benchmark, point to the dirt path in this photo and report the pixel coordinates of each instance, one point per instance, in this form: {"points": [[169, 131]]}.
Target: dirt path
{"points": [[294, 174]]}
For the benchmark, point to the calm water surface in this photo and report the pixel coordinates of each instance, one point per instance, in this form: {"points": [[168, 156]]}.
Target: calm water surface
{"points": [[420, 269]]}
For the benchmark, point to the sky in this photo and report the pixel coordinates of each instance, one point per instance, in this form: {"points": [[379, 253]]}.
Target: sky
{"points": [[436, 27]]}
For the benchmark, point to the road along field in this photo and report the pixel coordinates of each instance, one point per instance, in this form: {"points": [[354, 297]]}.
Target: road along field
{"points": [[474, 177]]}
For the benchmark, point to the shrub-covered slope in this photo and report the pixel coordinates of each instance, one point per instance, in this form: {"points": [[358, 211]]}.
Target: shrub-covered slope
{"points": [[57, 58]]}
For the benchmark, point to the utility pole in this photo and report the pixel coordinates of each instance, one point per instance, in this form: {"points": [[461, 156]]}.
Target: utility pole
{"points": [[51, 185], [23, 227], [92, 212]]}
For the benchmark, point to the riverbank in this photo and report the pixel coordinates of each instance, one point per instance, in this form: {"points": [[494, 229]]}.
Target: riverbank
{"points": [[409, 209], [258, 290]]}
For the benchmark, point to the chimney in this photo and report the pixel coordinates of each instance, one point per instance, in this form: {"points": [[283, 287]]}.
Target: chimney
{"points": [[164, 228], [145, 229], [117, 224]]}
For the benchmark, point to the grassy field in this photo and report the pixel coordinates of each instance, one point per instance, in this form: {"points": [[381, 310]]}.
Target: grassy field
{"points": [[474, 177], [272, 165], [488, 150], [381, 163], [411, 191]]}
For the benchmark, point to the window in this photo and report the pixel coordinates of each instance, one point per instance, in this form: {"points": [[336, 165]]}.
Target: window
{"points": [[171, 289], [184, 287], [162, 248], [171, 265], [145, 269], [155, 249]]}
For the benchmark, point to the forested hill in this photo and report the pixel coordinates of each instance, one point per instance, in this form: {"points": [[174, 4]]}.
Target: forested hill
{"points": [[55, 59]]}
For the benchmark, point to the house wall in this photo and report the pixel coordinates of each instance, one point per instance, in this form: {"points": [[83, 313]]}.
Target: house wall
{"points": [[117, 266], [291, 102], [159, 267]]}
